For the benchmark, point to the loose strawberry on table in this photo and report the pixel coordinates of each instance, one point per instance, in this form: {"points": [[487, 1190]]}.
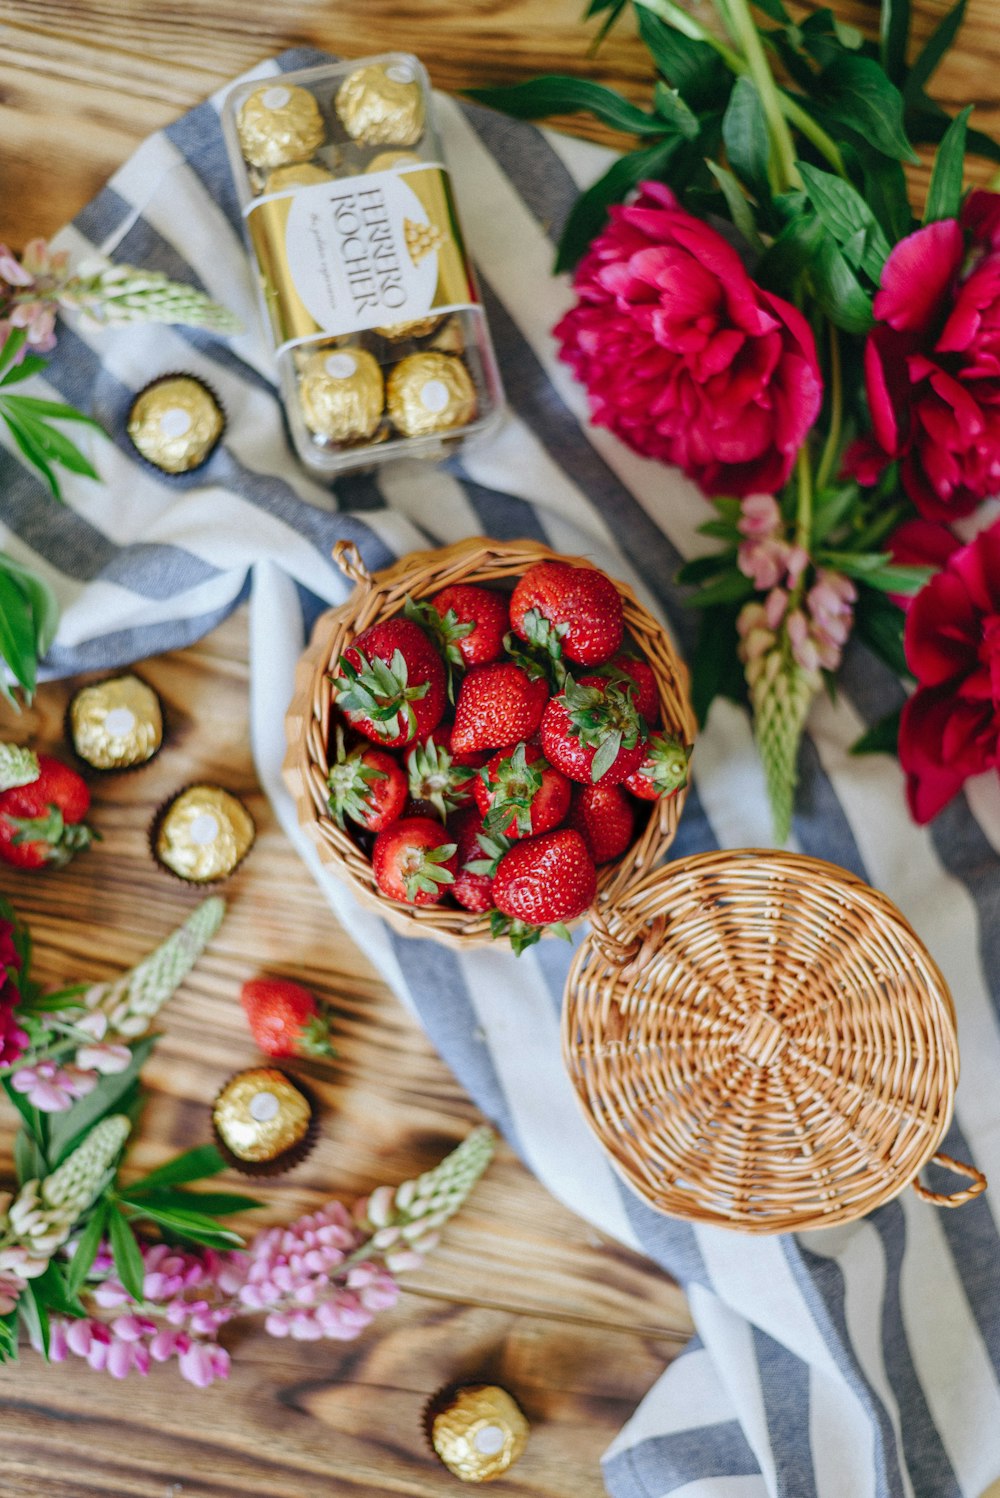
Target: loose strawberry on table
{"points": [[579, 605], [285, 1018], [497, 705], [520, 794], [664, 768], [414, 861], [367, 785], [41, 822], [390, 683], [605, 819], [592, 732]]}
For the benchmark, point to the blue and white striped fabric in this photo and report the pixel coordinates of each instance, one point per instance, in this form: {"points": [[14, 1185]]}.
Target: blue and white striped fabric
{"points": [[858, 1362]]}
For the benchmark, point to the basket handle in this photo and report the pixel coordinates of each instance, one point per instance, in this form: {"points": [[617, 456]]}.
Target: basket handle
{"points": [[630, 956], [956, 1198], [349, 559]]}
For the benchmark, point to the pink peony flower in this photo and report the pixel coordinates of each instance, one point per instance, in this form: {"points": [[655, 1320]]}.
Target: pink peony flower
{"points": [[13, 1040], [684, 357], [950, 727], [932, 364], [8, 951], [52, 1088], [920, 543]]}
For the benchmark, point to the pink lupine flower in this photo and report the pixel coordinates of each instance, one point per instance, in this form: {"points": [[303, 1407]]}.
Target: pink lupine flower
{"points": [[11, 1286], [52, 1088]]}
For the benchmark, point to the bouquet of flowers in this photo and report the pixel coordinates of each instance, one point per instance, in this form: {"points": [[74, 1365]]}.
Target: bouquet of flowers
{"points": [[768, 312]]}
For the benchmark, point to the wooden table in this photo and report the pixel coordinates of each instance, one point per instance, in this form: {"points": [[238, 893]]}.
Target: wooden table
{"points": [[521, 1291]]}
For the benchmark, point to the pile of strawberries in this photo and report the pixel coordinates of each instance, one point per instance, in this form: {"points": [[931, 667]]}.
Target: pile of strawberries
{"points": [[499, 747]]}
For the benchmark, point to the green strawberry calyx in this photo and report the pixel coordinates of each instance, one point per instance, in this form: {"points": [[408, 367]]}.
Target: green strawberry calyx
{"points": [[421, 871], [666, 763], [444, 632], [313, 1038], [521, 934], [513, 788], [541, 655], [604, 719], [379, 692], [349, 781], [58, 838], [493, 847], [434, 777]]}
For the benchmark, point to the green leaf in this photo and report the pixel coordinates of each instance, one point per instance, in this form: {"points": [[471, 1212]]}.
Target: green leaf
{"points": [[882, 737], [34, 1121], [740, 210], [732, 587], [693, 67], [30, 365], [54, 1291], [193, 1165], [54, 410], [69, 1128], [879, 623], [193, 1226], [699, 568], [590, 211], [748, 144], [938, 44], [944, 197], [208, 1203], [857, 93], [555, 93], [928, 125], [674, 112], [54, 445], [884, 185], [26, 443], [830, 508], [838, 290], [11, 347], [894, 35], [127, 1254], [790, 255], [35, 1316], [8, 1335], [715, 668], [876, 570], [86, 1249], [775, 10], [17, 631], [845, 213], [28, 1160]]}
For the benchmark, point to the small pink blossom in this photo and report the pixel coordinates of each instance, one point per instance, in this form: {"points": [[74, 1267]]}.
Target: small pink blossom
{"points": [[11, 269], [106, 1059], [11, 1286], [52, 1088]]}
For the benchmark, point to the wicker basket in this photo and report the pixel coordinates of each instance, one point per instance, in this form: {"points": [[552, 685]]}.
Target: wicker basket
{"points": [[760, 1041], [382, 594]]}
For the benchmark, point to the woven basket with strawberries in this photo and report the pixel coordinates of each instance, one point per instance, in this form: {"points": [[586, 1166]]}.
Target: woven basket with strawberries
{"points": [[487, 739]]}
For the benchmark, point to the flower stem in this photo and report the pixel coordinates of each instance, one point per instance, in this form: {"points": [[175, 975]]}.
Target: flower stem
{"points": [[825, 144], [803, 516], [763, 79], [832, 444], [676, 16]]}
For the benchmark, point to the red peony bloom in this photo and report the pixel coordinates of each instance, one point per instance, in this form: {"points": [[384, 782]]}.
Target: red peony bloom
{"points": [[8, 951], [13, 1040], [683, 356], [920, 543], [950, 727], [932, 365]]}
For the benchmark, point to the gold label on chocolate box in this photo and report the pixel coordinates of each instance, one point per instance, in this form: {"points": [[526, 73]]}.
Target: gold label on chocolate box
{"points": [[360, 252]]}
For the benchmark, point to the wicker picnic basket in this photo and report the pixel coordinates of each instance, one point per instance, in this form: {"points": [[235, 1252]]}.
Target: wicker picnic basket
{"points": [[760, 1041], [381, 594]]}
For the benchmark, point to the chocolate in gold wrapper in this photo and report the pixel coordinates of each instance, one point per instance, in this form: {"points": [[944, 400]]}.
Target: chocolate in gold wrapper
{"points": [[382, 104], [430, 392], [202, 834], [297, 174], [449, 339], [390, 161], [419, 327], [477, 1431], [342, 394], [263, 1120], [279, 123], [175, 423], [116, 724]]}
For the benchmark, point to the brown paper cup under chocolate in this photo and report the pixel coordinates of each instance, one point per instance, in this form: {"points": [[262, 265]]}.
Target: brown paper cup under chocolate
{"points": [[264, 1121], [206, 867], [95, 724], [477, 1431]]}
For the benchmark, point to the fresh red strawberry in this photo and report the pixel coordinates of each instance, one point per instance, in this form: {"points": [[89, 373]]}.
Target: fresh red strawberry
{"points": [[545, 880], [466, 623], [497, 705], [645, 693], [390, 683], [579, 605], [41, 823], [436, 780], [605, 818], [476, 758], [414, 861], [592, 732], [285, 1018], [664, 768], [473, 890], [367, 785], [520, 794]]}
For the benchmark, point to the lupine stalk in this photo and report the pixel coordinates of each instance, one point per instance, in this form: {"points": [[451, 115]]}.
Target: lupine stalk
{"points": [[781, 694], [124, 294], [18, 766], [130, 1002]]}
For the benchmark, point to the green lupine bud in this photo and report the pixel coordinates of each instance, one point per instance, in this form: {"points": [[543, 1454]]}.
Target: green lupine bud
{"points": [[69, 1191], [781, 694], [130, 1002], [442, 1191], [18, 766]]}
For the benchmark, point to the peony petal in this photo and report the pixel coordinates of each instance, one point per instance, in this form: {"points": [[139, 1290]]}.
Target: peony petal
{"points": [[917, 277]]}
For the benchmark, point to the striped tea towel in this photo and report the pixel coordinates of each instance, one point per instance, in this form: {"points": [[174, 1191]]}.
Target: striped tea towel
{"points": [[856, 1362]]}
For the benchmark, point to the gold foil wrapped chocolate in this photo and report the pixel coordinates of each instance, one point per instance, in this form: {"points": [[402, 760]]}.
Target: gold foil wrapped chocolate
{"points": [[175, 423], [391, 161], [430, 392], [419, 327], [203, 833], [477, 1431], [279, 123], [342, 394], [382, 104], [263, 1120], [298, 174], [116, 724]]}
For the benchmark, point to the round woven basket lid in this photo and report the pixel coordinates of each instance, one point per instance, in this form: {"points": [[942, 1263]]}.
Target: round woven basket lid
{"points": [[760, 1041]]}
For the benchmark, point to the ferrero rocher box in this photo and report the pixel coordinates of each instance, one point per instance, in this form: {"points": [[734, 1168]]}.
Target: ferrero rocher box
{"points": [[381, 340]]}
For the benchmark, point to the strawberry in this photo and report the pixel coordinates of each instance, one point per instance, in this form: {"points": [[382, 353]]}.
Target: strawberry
{"points": [[285, 1018], [41, 823], [498, 704], [641, 680], [390, 683], [592, 732], [444, 736], [579, 605], [413, 861], [473, 889], [367, 785], [520, 794], [604, 817], [545, 880], [664, 768], [466, 623], [436, 780]]}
